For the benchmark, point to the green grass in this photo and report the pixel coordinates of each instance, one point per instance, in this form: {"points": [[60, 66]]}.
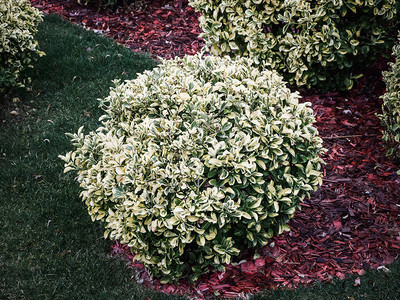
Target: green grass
{"points": [[49, 248]]}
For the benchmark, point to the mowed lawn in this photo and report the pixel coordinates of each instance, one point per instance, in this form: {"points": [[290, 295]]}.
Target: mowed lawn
{"points": [[49, 247]]}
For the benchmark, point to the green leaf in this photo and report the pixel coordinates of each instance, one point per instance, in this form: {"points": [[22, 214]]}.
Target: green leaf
{"points": [[284, 192], [261, 164], [212, 173], [258, 189], [246, 215], [211, 235], [118, 192], [223, 174], [200, 240], [227, 126], [214, 182], [271, 188], [290, 211], [354, 43], [276, 206]]}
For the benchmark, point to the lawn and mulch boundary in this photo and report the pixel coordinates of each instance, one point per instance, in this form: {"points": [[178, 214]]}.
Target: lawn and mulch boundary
{"points": [[51, 242], [159, 29]]}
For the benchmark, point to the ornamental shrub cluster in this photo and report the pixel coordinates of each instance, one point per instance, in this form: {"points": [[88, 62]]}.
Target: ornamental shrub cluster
{"points": [[312, 43], [391, 105], [18, 47], [196, 160]]}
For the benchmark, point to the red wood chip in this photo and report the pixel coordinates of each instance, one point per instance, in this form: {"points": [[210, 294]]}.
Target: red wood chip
{"points": [[259, 262], [248, 267]]}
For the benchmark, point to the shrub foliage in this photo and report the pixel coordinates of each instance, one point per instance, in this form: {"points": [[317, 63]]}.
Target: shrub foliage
{"points": [[18, 24], [391, 105], [313, 43], [197, 160]]}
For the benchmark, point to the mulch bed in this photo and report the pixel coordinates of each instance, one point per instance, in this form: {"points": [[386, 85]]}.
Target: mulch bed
{"points": [[160, 29], [351, 224]]}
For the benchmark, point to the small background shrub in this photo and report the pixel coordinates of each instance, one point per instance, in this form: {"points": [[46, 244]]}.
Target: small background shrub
{"points": [[197, 160], [313, 43], [391, 105], [18, 47]]}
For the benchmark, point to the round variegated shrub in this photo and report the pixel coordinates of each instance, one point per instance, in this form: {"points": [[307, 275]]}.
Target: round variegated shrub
{"points": [[391, 105], [18, 47], [197, 160], [313, 43]]}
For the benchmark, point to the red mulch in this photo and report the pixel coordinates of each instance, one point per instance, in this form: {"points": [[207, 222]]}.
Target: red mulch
{"points": [[351, 224], [160, 29]]}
